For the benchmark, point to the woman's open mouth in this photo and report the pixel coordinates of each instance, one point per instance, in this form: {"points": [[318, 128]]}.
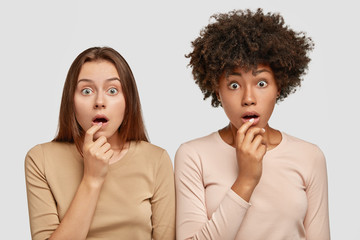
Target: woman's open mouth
{"points": [[250, 115], [100, 119]]}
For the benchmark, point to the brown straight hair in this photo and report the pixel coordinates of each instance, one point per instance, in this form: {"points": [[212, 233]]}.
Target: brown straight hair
{"points": [[131, 129]]}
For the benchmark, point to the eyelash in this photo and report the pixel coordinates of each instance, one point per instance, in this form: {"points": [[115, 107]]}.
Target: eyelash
{"points": [[237, 85], [231, 85], [83, 91], [113, 88], [262, 81]]}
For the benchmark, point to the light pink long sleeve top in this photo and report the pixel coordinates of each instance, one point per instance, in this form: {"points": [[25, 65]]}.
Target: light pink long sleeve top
{"points": [[290, 201]]}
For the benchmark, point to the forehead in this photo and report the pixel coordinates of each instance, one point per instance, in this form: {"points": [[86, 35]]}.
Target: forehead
{"points": [[254, 70], [97, 70]]}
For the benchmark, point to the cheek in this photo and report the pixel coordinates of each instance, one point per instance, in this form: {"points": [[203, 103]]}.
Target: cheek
{"points": [[80, 111], [232, 110], [119, 105], [270, 106]]}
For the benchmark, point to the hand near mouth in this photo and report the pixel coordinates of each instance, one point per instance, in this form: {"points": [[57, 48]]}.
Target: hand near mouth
{"points": [[96, 156], [250, 150]]}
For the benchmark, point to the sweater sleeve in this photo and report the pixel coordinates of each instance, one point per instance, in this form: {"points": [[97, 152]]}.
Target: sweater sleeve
{"points": [[191, 218], [316, 221], [42, 207], [163, 200]]}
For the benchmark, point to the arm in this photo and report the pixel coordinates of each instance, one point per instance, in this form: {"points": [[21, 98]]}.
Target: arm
{"points": [[191, 213], [43, 213], [163, 201], [316, 221], [192, 220], [77, 220], [44, 219]]}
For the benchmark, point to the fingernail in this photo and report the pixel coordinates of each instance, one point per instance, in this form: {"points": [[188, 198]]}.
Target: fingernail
{"points": [[263, 129], [99, 123], [251, 120]]}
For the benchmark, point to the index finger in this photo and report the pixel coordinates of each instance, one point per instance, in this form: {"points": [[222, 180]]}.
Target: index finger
{"points": [[89, 135], [243, 129]]}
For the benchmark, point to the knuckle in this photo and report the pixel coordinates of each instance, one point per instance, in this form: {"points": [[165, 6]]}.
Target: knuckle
{"points": [[88, 133], [254, 129], [98, 155], [241, 131], [92, 151]]}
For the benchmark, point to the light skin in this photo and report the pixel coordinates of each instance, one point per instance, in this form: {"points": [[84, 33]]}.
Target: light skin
{"points": [[99, 109], [248, 98]]}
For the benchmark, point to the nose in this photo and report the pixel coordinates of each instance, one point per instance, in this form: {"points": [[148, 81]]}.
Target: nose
{"points": [[99, 101], [248, 97]]}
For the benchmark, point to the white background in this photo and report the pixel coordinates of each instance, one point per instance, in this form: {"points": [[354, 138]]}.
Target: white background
{"points": [[40, 39]]}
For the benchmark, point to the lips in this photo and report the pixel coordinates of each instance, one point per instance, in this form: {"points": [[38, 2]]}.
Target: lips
{"points": [[250, 115], [100, 118]]}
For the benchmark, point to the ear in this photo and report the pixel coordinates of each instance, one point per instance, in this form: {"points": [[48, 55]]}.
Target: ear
{"points": [[217, 95]]}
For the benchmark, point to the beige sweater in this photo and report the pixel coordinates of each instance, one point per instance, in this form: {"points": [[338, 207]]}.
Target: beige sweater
{"points": [[290, 202], [137, 200]]}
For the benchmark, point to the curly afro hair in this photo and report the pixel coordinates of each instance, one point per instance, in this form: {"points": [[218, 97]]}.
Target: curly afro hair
{"points": [[246, 39]]}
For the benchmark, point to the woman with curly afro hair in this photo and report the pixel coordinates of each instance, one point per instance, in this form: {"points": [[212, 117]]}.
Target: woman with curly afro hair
{"points": [[248, 180]]}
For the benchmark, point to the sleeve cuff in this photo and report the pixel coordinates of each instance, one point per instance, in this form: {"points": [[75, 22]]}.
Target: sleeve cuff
{"points": [[237, 199]]}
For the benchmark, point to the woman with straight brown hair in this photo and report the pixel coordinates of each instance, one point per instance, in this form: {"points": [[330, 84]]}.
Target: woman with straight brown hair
{"points": [[100, 178]]}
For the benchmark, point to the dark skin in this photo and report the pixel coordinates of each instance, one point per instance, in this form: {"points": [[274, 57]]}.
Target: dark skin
{"points": [[254, 92], [251, 144], [244, 93]]}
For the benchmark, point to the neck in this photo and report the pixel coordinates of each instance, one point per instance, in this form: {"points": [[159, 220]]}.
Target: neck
{"points": [[117, 144], [119, 147]]}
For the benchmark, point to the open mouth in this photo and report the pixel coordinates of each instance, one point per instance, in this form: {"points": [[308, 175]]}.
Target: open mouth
{"points": [[248, 117], [100, 119]]}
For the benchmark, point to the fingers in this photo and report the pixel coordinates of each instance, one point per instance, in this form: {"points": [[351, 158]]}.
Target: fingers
{"points": [[106, 147], [261, 151], [250, 140], [89, 135], [259, 145], [100, 142], [242, 131], [96, 148], [245, 134], [109, 154], [252, 134]]}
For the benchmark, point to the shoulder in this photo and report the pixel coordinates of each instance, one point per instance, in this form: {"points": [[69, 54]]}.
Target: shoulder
{"points": [[307, 153], [39, 149], [200, 144], [197, 152], [39, 156], [148, 148], [149, 152], [50, 150], [301, 145]]}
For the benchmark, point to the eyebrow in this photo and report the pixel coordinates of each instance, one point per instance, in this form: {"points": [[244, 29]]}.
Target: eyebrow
{"points": [[254, 73], [89, 80], [260, 71]]}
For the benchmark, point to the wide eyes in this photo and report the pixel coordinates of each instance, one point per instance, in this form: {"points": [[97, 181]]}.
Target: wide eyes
{"points": [[112, 91], [234, 85], [262, 84], [86, 91]]}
